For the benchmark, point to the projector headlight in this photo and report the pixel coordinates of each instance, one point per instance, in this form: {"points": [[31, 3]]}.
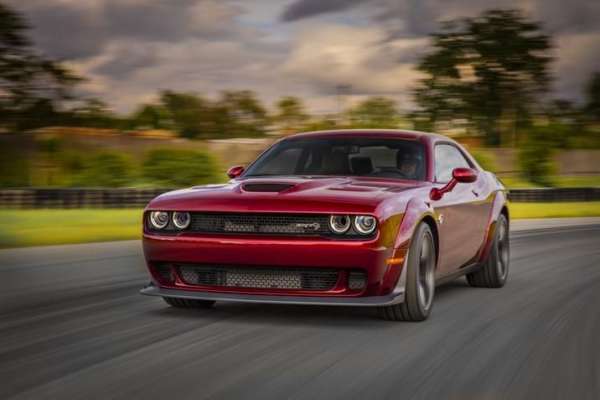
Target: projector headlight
{"points": [[365, 224], [339, 223], [159, 219], [181, 219]]}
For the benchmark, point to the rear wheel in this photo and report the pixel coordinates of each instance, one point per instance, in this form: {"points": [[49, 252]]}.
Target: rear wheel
{"points": [[188, 303], [494, 271], [420, 280]]}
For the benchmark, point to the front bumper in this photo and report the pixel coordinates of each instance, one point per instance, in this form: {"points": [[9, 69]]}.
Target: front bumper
{"points": [[397, 296], [368, 256]]}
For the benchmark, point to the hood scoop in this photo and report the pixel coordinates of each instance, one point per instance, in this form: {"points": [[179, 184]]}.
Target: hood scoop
{"points": [[266, 187]]}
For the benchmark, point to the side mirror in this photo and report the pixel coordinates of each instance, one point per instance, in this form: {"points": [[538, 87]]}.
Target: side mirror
{"points": [[459, 175], [464, 175], [236, 171]]}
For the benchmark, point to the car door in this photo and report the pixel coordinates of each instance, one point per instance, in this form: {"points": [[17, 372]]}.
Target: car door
{"points": [[458, 214]]}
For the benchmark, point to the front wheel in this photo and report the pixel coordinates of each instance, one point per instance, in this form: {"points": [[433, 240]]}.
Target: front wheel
{"points": [[420, 279], [188, 303], [494, 271]]}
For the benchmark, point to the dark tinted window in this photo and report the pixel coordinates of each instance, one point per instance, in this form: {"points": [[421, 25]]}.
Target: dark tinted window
{"points": [[389, 158], [448, 157]]}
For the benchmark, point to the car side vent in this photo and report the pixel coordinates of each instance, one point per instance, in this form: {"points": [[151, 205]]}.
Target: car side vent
{"points": [[266, 187]]}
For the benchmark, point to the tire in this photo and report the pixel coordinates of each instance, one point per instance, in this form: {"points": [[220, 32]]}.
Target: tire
{"points": [[494, 271], [420, 280], [188, 303]]}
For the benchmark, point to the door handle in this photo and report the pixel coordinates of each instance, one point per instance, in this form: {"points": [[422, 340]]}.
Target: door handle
{"points": [[475, 193]]}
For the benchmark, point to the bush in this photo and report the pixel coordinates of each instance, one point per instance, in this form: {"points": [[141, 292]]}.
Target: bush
{"points": [[180, 167], [14, 164], [106, 169], [536, 157], [484, 159]]}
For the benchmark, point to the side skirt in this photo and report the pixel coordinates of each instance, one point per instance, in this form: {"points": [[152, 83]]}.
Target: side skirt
{"points": [[457, 274]]}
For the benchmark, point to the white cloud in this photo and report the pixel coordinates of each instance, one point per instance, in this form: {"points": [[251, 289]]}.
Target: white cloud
{"points": [[327, 56]]}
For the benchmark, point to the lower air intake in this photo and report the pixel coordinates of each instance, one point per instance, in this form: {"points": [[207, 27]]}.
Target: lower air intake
{"points": [[319, 279]]}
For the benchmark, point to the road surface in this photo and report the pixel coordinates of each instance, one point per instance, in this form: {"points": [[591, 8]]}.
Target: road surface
{"points": [[72, 326]]}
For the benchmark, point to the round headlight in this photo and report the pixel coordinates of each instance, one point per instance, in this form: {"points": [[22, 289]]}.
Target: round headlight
{"points": [[181, 219], [159, 219], [365, 224], [339, 223]]}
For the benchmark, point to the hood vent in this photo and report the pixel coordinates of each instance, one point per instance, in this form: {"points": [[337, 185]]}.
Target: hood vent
{"points": [[266, 187]]}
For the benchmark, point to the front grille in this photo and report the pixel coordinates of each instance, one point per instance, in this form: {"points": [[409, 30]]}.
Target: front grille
{"points": [[259, 277], [278, 224]]}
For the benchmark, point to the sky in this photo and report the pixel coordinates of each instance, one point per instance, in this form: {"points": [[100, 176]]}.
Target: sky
{"points": [[129, 50]]}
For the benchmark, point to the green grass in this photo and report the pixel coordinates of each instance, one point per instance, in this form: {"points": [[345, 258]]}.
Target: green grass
{"points": [[576, 181], [555, 210], [21, 228], [561, 181]]}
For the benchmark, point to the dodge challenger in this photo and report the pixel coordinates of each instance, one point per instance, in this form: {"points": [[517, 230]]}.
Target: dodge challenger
{"points": [[349, 217]]}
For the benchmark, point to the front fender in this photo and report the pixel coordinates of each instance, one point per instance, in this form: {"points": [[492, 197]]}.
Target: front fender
{"points": [[500, 201], [416, 211]]}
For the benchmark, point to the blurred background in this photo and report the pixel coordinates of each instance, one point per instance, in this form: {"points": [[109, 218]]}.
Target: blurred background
{"points": [[105, 104]]}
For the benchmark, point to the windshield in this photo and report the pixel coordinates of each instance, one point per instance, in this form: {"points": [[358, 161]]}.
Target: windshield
{"points": [[375, 157]]}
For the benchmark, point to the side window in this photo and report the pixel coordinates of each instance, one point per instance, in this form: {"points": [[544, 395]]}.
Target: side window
{"points": [[448, 157]]}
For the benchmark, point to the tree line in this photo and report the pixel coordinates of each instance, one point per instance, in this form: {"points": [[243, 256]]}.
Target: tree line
{"points": [[486, 76]]}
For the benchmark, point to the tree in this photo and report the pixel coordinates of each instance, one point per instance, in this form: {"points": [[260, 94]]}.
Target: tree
{"points": [[535, 156], [94, 113], [291, 114], [592, 106], [241, 114], [31, 87], [151, 116], [489, 70], [188, 112], [374, 112]]}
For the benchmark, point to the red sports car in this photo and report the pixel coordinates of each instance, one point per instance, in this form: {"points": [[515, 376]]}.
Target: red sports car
{"points": [[349, 217]]}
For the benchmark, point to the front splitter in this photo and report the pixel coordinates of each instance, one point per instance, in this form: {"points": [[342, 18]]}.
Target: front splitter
{"points": [[372, 301]]}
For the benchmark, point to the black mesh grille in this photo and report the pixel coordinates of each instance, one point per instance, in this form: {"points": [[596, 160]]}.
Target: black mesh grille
{"points": [[286, 224], [259, 277], [164, 273], [357, 280]]}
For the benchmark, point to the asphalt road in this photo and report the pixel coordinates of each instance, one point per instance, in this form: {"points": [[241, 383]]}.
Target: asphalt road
{"points": [[72, 326]]}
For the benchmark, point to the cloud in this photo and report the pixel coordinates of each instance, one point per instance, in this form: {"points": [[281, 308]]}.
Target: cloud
{"points": [[125, 77], [123, 59], [131, 49], [81, 29], [357, 58], [420, 17], [308, 8], [580, 16], [577, 57], [575, 28]]}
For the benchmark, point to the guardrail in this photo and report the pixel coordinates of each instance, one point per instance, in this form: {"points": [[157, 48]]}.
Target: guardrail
{"points": [[136, 198], [77, 197], [554, 195]]}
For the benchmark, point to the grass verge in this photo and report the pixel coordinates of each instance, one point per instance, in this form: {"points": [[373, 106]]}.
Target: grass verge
{"points": [[21, 228], [555, 210]]}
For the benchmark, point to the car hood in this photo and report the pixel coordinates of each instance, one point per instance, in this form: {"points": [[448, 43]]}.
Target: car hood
{"points": [[332, 194]]}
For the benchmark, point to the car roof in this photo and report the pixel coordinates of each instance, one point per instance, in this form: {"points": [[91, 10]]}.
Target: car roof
{"points": [[391, 133]]}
